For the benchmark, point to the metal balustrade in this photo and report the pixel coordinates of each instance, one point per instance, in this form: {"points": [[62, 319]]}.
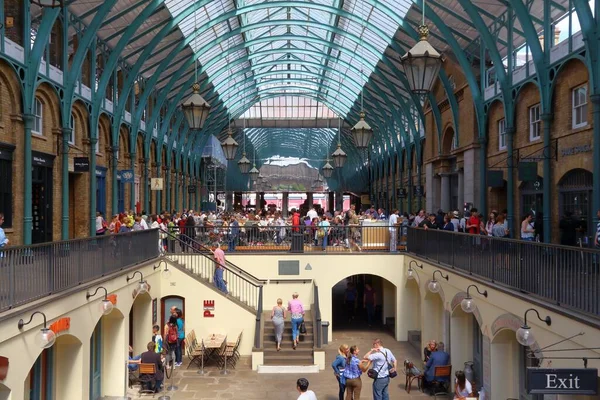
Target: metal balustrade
{"points": [[563, 275], [29, 273]]}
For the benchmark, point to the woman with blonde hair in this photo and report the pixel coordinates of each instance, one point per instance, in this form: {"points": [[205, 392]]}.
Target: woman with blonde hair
{"points": [[278, 318], [338, 365]]}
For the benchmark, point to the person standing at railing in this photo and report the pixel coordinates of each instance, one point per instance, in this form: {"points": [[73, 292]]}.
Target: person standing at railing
{"points": [[324, 229], [3, 238], [393, 224], [597, 235], [234, 233], [296, 308], [527, 228]]}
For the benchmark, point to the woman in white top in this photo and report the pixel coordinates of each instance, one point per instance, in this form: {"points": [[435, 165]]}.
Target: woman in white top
{"points": [[462, 387], [527, 228]]}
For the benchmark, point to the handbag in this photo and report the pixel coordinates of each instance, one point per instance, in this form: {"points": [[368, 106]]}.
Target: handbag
{"points": [[373, 374], [302, 328]]}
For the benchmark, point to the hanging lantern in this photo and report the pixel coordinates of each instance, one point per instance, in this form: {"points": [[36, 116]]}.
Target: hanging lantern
{"points": [[195, 109], [422, 64], [327, 170], [254, 173], [244, 164], [229, 146], [362, 132], [339, 157]]}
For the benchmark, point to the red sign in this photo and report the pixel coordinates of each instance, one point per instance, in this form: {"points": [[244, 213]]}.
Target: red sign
{"points": [[112, 298], [209, 308], [61, 325], [3, 368]]}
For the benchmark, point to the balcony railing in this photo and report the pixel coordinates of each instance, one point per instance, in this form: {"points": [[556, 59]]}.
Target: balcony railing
{"points": [[28, 273], [339, 239], [562, 275]]}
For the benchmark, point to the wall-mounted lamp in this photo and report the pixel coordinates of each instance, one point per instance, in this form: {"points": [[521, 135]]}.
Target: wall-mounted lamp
{"points": [[524, 334], [106, 306], [467, 303], [166, 273], [434, 286], [142, 284], [410, 274], [46, 337]]}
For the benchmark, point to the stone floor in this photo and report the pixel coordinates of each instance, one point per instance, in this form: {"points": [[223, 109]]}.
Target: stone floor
{"points": [[243, 383]]}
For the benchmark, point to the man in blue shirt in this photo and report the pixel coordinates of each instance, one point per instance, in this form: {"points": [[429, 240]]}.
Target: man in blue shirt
{"points": [[438, 358], [234, 227], [3, 238]]}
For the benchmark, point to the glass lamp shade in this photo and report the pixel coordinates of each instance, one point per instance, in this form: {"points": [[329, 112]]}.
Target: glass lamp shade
{"points": [[142, 287], [362, 133], [195, 109], [254, 173], [48, 3], [229, 146], [45, 339], [106, 306], [244, 164], [422, 64], [166, 273], [525, 336], [339, 157], [327, 170], [467, 304], [410, 274], [434, 286]]}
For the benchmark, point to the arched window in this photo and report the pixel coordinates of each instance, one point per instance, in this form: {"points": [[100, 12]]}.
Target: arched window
{"points": [[72, 138], [38, 112]]}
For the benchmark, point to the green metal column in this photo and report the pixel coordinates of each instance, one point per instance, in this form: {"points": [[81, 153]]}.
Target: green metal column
{"points": [[510, 181], [158, 207], [146, 183], [66, 135], [132, 191], [546, 122], [394, 202], [409, 195], [595, 98], [482, 175], [420, 198], [28, 120], [176, 184], [93, 186], [183, 191], [168, 188], [114, 164]]}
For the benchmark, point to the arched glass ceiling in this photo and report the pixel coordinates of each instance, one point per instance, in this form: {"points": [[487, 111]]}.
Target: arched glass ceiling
{"points": [[317, 45], [289, 107]]}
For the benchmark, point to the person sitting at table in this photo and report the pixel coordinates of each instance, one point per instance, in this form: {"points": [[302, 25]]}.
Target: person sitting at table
{"points": [[463, 388], [151, 357], [438, 358], [430, 348], [134, 361]]}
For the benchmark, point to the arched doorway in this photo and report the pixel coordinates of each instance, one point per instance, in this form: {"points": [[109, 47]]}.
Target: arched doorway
{"points": [[353, 308], [467, 343], [433, 319], [575, 194], [140, 323], [411, 312], [509, 365], [166, 303], [532, 197]]}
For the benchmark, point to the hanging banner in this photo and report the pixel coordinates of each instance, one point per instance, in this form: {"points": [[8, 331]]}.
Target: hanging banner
{"points": [[401, 193], [191, 189], [156, 183], [127, 176], [81, 164]]}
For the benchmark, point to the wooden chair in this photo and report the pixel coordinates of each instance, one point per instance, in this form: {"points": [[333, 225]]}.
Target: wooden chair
{"points": [[440, 388], [147, 377], [232, 350], [411, 377], [220, 354], [196, 355]]}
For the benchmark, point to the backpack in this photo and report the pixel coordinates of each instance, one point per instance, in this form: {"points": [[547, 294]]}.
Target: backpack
{"points": [[172, 334]]}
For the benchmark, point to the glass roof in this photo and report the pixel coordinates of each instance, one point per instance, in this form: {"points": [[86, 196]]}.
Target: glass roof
{"points": [[251, 50], [289, 107]]}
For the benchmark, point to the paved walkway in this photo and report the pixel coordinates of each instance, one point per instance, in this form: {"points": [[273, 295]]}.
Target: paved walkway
{"points": [[243, 383]]}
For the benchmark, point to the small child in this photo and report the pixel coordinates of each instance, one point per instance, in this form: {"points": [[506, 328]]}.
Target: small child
{"points": [[157, 339]]}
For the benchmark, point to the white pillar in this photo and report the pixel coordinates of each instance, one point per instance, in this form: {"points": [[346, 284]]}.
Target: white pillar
{"points": [[445, 192]]}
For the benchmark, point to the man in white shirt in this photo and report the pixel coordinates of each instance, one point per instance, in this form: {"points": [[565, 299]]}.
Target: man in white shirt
{"points": [[393, 223], [143, 223], [302, 388], [312, 213], [419, 218], [383, 362]]}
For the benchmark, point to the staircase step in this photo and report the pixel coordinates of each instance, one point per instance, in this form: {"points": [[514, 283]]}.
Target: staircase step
{"points": [[289, 360], [270, 351]]}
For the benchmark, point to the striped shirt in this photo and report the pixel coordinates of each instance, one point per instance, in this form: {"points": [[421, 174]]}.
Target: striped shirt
{"points": [[352, 370]]}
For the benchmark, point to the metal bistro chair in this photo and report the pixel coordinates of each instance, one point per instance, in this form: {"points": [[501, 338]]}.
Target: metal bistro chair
{"points": [[409, 371], [232, 351]]}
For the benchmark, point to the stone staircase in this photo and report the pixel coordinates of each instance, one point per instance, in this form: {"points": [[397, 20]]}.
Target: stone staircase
{"points": [[302, 356]]}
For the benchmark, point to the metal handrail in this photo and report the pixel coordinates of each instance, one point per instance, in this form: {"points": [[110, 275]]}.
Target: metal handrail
{"points": [[562, 275], [317, 313], [28, 273], [257, 326]]}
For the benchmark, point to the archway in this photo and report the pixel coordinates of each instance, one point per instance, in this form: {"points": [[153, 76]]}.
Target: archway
{"points": [[140, 323], [110, 332], [467, 342], [353, 307], [4, 392], [411, 312], [432, 315], [575, 188]]}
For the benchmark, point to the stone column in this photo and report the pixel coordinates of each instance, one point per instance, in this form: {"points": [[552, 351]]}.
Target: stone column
{"points": [[309, 199], [331, 202], [339, 200], [285, 204], [461, 188], [445, 192]]}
